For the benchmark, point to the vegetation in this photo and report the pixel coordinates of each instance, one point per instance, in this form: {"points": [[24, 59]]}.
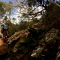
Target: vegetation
{"points": [[4, 7], [51, 17], [21, 26], [25, 45]]}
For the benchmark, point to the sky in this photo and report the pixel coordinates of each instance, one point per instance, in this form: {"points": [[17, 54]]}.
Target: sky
{"points": [[12, 0], [5, 0]]}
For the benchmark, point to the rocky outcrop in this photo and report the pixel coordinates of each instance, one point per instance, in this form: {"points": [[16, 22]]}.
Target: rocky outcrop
{"points": [[15, 39], [21, 34], [47, 45], [50, 35], [49, 41]]}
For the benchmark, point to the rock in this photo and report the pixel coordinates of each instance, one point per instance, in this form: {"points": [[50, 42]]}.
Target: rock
{"points": [[50, 35], [15, 39], [49, 38], [37, 52], [58, 56], [20, 34]]}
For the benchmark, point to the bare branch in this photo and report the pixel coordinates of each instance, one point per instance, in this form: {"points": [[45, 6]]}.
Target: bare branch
{"points": [[55, 3]]}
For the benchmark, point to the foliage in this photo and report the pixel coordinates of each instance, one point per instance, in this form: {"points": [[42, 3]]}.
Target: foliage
{"points": [[4, 7], [25, 15], [33, 32], [35, 20], [31, 40], [38, 2], [17, 27], [23, 25], [31, 23], [25, 44], [12, 29], [30, 2], [51, 14], [14, 19], [37, 34]]}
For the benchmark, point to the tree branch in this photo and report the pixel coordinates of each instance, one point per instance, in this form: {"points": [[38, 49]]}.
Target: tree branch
{"points": [[55, 3]]}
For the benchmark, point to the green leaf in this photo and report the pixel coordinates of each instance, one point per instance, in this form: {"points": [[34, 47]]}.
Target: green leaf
{"points": [[22, 41], [41, 35], [26, 40], [33, 42], [19, 45], [33, 32], [25, 49], [41, 30]]}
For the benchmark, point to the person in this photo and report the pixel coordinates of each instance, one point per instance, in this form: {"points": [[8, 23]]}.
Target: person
{"points": [[1, 34], [1, 28], [5, 27], [5, 30]]}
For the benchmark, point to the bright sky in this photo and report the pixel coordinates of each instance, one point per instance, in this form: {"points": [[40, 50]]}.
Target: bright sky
{"points": [[5, 0]]}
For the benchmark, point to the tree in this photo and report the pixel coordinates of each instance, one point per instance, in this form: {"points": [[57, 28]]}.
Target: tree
{"points": [[4, 7]]}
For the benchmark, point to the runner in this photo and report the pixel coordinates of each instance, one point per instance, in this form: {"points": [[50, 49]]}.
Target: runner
{"points": [[1, 28], [5, 27], [1, 34]]}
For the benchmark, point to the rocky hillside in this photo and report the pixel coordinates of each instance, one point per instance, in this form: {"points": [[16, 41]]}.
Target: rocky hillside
{"points": [[23, 45]]}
